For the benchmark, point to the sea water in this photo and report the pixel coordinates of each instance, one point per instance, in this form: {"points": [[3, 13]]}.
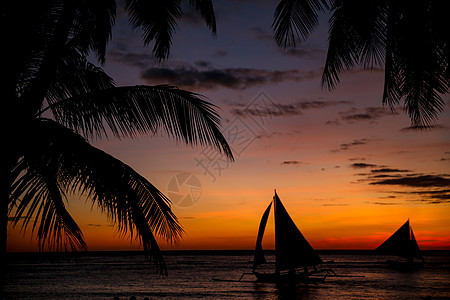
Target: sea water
{"points": [[213, 275]]}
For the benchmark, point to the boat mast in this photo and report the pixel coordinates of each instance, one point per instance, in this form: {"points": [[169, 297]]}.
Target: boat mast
{"points": [[277, 264]]}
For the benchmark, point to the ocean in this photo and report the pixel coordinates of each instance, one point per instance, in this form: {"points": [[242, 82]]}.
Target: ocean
{"points": [[215, 275]]}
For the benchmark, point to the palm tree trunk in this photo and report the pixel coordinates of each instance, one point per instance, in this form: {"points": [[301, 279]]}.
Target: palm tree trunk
{"points": [[8, 161], [4, 200]]}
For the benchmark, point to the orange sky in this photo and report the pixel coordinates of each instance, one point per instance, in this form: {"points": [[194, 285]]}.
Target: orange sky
{"points": [[348, 171]]}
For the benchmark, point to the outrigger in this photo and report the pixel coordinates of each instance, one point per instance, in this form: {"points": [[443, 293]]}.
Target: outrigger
{"points": [[295, 260]]}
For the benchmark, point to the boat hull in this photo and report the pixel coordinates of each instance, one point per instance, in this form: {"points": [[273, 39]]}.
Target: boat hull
{"points": [[288, 278]]}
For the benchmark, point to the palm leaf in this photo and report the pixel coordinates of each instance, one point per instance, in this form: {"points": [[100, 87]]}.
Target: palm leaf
{"points": [[356, 37], [419, 71], [373, 33], [37, 195], [132, 111], [205, 7], [295, 19], [158, 20], [92, 27], [74, 76], [58, 161]]}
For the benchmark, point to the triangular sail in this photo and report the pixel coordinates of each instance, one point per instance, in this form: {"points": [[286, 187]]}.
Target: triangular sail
{"points": [[259, 255], [415, 251], [401, 243], [292, 250]]}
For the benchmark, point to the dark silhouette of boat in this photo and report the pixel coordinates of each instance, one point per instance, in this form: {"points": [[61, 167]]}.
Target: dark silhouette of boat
{"points": [[403, 244], [295, 259]]}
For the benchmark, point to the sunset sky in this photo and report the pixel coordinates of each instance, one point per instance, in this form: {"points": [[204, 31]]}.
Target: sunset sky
{"points": [[349, 171]]}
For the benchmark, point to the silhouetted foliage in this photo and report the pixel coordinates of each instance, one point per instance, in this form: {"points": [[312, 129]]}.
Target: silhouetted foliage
{"points": [[55, 101], [409, 39]]}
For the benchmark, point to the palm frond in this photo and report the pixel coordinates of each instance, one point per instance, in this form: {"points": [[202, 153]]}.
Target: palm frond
{"points": [[74, 76], [92, 28], [158, 20], [295, 19], [391, 90], [60, 161], [62, 27], [356, 37], [37, 195], [419, 71], [132, 111], [206, 8]]}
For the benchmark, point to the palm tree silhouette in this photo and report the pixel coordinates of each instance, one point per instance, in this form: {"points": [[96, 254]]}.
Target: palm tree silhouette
{"points": [[409, 39], [55, 101]]}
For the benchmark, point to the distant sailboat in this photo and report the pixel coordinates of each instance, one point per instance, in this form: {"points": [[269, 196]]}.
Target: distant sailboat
{"points": [[402, 243], [292, 250]]}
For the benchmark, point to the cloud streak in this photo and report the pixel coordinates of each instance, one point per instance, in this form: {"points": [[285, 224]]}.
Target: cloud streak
{"points": [[292, 109], [347, 146], [362, 166], [367, 114], [430, 188], [203, 75], [293, 163], [207, 77], [415, 180]]}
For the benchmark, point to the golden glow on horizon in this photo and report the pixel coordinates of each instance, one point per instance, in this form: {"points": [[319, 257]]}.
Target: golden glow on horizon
{"points": [[325, 227]]}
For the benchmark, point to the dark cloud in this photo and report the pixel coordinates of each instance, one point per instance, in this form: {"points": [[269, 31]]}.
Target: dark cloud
{"points": [[424, 128], [203, 64], [292, 109], [204, 77], [417, 181], [307, 53], [389, 170], [365, 114], [357, 142], [345, 146], [356, 158], [388, 197], [319, 104], [362, 166], [384, 176], [353, 115], [429, 188], [94, 225], [385, 203], [292, 163], [437, 196]]}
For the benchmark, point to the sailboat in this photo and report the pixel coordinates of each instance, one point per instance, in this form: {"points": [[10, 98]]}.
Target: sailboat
{"points": [[403, 244], [293, 254]]}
